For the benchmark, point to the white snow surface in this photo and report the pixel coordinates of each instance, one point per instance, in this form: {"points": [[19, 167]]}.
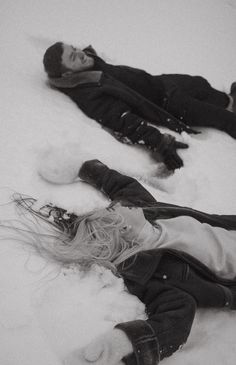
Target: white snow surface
{"points": [[46, 312]]}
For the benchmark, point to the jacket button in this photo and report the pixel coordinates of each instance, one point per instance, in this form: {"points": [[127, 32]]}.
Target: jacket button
{"points": [[164, 277], [227, 304]]}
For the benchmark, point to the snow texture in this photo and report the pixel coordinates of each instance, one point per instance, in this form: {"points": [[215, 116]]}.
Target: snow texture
{"points": [[46, 312]]}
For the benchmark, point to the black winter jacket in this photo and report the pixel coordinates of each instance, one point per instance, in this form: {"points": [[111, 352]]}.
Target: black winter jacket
{"points": [[171, 283], [122, 99], [126, 100]]}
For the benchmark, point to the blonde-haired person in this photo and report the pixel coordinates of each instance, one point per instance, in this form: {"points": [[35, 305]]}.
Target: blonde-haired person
{"points": [[169, 256]]}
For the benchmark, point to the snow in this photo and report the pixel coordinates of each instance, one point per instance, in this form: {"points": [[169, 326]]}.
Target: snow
{"points": [[60, 165], [46, 312]]}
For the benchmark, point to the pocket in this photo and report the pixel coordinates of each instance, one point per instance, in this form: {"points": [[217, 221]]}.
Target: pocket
{"points": [[173, 269]]}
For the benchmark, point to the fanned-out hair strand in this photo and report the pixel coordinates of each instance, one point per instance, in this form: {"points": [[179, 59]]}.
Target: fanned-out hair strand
{"points": [[98, 237]]}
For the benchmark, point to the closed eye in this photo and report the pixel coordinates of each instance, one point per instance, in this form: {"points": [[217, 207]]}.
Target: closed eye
{"points": [[71, 56], [73, 53]]}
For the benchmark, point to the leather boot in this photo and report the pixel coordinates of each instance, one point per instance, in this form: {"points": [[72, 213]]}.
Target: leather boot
{"points": [[233, 97]]}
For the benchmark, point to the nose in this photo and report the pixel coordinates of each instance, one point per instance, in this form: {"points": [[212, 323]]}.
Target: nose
{"points": [[81, 54]]}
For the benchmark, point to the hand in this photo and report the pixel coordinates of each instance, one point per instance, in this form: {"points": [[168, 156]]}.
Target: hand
{"points": [[90, 169], [168, 152], [107, 349]]}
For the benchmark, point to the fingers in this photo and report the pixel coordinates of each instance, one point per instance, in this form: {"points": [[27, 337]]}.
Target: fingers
{"points": [[180, 145], [173, 162]]}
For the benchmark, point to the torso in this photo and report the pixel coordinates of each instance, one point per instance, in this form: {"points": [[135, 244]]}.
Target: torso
{"points": [[151, 87], [213, 246]]}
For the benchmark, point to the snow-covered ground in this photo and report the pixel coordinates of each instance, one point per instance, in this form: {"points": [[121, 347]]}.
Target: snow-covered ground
{"points": [[44, 312]]}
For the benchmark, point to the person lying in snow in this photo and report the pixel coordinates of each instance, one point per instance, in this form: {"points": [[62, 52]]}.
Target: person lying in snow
{"points": [[174, 259], [125, 100]]}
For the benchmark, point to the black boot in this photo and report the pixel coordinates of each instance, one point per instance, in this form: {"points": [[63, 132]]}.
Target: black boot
{"points": [[233, 96], [233, 88]]}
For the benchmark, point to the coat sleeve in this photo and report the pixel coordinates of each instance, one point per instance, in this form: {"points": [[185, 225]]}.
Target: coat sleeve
{"points": [[116, 186], [167, 211], [113, 113], [129, 191], [170, 316]]}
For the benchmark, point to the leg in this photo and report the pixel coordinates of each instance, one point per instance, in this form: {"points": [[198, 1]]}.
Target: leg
{"points": [[196, 87], [232, 106], [199, 113]]}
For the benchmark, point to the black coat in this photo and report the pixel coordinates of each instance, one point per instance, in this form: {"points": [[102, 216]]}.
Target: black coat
{"points": [[171, 283], [123, 99]]}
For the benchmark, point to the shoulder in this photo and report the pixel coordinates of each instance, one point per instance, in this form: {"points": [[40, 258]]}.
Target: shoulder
{"points": [[141, 266]]}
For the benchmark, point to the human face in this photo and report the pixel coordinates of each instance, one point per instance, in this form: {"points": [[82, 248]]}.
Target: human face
{"points": [[133, 217], [74, 59]]}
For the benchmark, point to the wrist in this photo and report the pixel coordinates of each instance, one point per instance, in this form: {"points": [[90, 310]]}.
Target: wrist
{"points": [[144, 341], [121, 342], [91, 170], [166, 141]]}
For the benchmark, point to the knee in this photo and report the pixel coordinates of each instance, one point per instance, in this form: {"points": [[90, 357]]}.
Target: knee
{"points": [[201, 81]]}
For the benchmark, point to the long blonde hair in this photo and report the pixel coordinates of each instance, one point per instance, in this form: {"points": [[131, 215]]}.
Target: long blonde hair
{"points": [[99, 237]]}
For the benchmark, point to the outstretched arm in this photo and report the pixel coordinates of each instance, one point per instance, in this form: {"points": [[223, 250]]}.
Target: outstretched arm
{"points": [[130, 192], [116, 186], [114, 114], [171, 313], [122, 188]]}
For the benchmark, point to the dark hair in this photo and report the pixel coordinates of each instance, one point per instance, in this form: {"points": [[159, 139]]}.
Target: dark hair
{"points": [[52, 60]]}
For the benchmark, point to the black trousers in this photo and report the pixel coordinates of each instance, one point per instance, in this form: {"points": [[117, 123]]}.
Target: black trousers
{"points": [[195, 102]]}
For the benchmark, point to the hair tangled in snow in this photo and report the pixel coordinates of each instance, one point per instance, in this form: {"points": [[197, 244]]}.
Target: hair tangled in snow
{"points": [[98, 237]]}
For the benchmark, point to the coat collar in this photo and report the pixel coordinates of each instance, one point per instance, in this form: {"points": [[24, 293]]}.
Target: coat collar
{"points": [[139, 268], [75, 79]]}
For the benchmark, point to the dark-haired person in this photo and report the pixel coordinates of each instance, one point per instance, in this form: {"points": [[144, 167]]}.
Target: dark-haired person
{"points": [[174, 259], [126, 100]]}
